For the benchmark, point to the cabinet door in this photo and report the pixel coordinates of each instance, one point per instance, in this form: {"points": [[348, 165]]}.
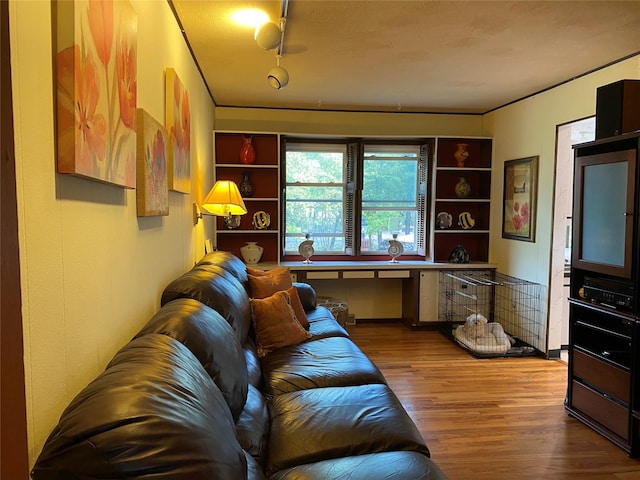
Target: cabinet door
{"points": [[428, 296], [605, 377], [603, 214], [603, 410]]}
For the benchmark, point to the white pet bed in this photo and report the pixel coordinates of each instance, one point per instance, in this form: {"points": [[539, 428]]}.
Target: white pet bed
{"points": [[488, 338]]}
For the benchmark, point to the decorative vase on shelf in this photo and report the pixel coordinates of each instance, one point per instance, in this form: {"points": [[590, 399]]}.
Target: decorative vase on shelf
{"points": [[461, 154], [261, 220], [306, 249], [251, 252], [246, 187], [247, 152], [395, 249], [463, 189], [232, 221]]}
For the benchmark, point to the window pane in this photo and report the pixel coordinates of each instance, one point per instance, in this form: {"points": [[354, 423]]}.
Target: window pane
{"points": [[315, 197], [314, 217], [314, 167], [314, 192], [319, 212], [390, 183], [322, 244], [378, 227]]}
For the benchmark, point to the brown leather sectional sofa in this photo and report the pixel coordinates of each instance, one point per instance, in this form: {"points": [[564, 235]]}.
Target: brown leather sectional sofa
{"points": [[188, 398]]}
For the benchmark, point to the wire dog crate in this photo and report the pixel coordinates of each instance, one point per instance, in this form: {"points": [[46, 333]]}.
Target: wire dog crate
{"points": [[491, 314]]}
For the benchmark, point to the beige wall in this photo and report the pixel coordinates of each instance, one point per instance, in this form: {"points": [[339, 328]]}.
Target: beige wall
{"points": [[528, 128], [311, 122], [92, 272]]}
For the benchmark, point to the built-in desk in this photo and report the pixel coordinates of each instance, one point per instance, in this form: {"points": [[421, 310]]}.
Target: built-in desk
{"points": [[411, 291]]}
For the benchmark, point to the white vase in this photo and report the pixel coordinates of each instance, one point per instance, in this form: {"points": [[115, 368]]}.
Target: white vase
{"points": [[251, 252]]}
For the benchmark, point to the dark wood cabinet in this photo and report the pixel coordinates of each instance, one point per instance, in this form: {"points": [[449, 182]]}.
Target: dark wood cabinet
{"points": [[604, 317]]}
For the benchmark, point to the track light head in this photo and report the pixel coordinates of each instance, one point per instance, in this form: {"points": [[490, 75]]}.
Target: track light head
{"points": [[268, 36], [278, 77]]}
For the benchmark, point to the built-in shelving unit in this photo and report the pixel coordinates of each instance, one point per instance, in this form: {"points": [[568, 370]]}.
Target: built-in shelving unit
{"points": [[264, 175], [477, 174]]}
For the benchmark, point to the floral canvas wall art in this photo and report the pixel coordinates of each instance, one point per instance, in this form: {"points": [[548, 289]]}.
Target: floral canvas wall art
{"points": [[152, 193], [96, 84], [178, 123], [519, 205]]}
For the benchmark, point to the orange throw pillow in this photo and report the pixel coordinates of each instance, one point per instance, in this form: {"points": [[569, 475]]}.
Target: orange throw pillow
{"points": [[256, 272], [298, 309], [274, 280], [275, 323]]}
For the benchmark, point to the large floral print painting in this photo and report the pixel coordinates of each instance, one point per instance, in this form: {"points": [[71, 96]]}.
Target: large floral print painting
{"points": [[178, 123], [96, 90], [519, 206], [152, 185]]}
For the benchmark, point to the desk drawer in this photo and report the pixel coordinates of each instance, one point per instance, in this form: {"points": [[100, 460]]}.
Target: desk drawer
{"points": [[358, 274], [608, 413], [602, 376], [322, 275], [394, 274]]}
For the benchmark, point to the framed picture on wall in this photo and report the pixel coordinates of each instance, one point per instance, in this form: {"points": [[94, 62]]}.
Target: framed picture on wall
{"points": [[152, 195], [519, 200], [96, 86], [178, 124]]}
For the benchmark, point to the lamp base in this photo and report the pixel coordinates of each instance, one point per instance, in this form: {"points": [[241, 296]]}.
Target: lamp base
{"points": [[196, 214]]}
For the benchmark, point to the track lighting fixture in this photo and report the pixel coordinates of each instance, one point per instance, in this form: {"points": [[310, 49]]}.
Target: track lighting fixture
{"points": [[268, 36], [278, 77]]}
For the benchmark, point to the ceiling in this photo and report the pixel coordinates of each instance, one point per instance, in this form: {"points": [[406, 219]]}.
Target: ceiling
{"points": [[408, 56]]}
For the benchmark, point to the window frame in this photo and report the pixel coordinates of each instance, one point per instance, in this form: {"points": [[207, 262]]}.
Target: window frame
{"points": [[313, 146], [352, 199], [419, 205]]}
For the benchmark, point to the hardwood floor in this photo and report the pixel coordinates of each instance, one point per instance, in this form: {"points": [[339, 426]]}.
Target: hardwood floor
{"points": [[486, 419]]}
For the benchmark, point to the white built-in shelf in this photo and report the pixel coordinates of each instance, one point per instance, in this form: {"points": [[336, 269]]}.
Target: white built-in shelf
{"points": [[243, 165], [451, 230], [234, 231], [463, 200]]}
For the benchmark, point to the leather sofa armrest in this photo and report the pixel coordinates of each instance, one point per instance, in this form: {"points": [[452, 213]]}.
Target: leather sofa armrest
{"points": [[307, 296]]}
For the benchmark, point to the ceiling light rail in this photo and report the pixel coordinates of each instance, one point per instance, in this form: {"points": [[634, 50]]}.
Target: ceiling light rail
{"points": [[270, 36]]}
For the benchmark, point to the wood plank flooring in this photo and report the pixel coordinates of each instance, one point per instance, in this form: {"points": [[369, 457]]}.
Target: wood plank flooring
{"points": [[486, 419]]}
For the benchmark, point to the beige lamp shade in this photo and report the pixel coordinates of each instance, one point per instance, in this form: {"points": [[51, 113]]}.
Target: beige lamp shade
{"points": [[224, 199]]}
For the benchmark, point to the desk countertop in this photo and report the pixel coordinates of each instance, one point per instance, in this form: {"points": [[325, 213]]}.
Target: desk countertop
{"points": [[384, 265]]}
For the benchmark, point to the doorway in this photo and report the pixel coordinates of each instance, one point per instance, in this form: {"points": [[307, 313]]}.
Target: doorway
{"points": [[567, 135]]}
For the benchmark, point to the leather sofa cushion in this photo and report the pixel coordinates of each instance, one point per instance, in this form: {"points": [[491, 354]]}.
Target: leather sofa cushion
{"points": [[212, 340], [324, 423], [398, 465], [254, 470], [254, 371], [307, 295], [218, 289], [153, 413], [228, 262], [327, 362], [253, 425], [323, 324]]}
